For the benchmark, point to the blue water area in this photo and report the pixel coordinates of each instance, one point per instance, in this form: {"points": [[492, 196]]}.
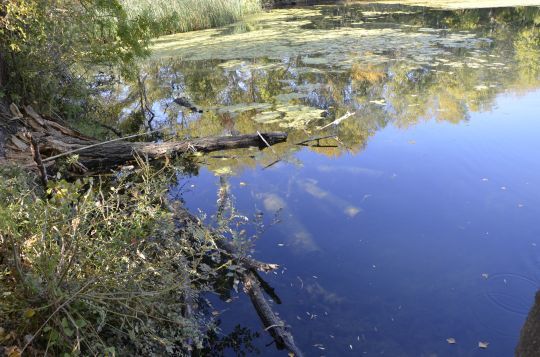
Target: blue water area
{"points": [[430, 233]]}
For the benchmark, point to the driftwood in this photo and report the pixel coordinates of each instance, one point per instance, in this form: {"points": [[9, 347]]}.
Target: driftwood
{"points": [[252, 282], [55, 140]]}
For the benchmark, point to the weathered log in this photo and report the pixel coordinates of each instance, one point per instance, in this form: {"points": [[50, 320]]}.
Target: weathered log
{"points": [[273, 324], [103, 156], [55, 140]]}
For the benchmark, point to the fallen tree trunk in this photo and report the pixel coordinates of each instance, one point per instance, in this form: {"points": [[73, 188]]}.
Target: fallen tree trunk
{"points": [[273, 324], [56, 140]]}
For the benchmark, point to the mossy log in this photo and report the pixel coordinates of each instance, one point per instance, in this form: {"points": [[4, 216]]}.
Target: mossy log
{"points": [[55, 139]]}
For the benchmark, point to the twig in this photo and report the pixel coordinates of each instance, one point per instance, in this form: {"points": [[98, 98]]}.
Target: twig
{"points": [[278, 159], [266, 142], [338, 120], [54, 313], [276, 325], [316, 139]]}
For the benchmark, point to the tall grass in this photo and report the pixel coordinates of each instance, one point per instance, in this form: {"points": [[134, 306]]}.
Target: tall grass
{"points": [[172, 16]]}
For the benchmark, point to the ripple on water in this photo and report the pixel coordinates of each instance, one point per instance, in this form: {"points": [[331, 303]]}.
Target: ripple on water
{"points": [[505, 302]]}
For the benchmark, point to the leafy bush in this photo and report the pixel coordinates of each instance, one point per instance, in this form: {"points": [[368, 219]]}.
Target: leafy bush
{"points": [[48, 48]]}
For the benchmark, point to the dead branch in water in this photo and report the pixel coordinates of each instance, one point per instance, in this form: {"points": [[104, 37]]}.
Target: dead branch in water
{"points": [[338, 120], [253, 283]]}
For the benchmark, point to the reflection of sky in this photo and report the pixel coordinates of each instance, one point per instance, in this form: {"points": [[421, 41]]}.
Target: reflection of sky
{"points": [[444, 242]]}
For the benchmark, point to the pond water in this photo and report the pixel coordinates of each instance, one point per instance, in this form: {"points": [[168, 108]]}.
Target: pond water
{"points": [[413, 221]]}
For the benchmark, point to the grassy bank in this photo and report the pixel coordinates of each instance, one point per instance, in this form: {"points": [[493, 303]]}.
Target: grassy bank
{"points": [[172, 16]]}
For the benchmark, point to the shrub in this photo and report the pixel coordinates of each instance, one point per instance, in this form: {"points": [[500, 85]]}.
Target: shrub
{"points": [[96, 268]]}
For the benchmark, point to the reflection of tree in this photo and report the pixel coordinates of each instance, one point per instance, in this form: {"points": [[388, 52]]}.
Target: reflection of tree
{"points": [[400, 90], [239, 341]]}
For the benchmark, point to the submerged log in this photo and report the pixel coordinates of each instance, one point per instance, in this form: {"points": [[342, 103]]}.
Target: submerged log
{"points": [[252, 282], [273, 324], [56, 140]]}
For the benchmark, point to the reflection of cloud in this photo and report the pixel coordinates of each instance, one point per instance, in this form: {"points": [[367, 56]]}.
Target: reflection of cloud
{"points": [[273, 202], [350, 170], [298, 237], [351, 211], [317, 292], [304, 241], [311, 187]]}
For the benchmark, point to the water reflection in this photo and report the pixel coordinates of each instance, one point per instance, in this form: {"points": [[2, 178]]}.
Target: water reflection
{"points": [[299, 69], [430, 233]]}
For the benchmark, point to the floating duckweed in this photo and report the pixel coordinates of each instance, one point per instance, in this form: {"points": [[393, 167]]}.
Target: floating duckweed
{"points": [[283, 33], [290, 116]]}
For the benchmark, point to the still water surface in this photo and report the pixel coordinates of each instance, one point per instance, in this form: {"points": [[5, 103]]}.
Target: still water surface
{"points": [[418, 222]]}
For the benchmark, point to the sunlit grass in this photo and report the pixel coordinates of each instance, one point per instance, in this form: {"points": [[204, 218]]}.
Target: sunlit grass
{"points": [[171, 16]]}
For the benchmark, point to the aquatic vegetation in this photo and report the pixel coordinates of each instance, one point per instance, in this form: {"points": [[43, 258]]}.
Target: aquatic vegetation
{"points": [[283, 33]]}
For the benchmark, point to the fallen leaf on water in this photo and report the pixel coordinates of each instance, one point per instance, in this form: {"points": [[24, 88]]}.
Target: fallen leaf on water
{"points": [[485, 275], [451, 340], [483, 344]]}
